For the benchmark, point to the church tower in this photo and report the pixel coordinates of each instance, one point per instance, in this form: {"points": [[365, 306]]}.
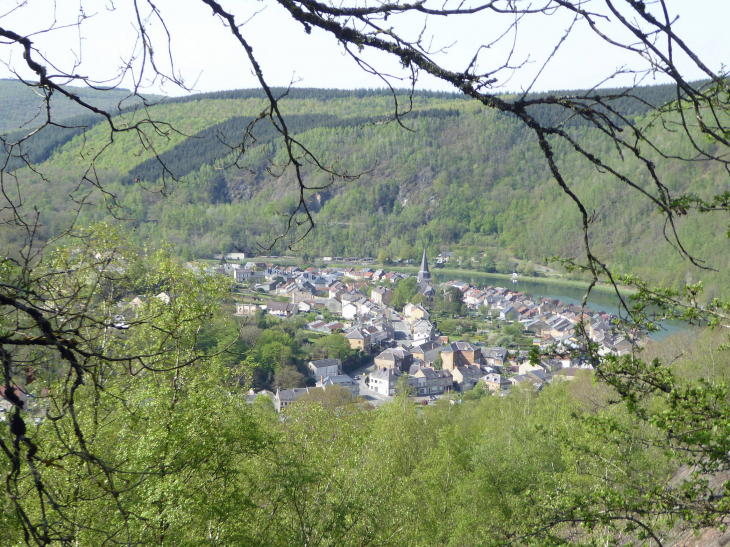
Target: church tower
{"points": [[424, 274]]}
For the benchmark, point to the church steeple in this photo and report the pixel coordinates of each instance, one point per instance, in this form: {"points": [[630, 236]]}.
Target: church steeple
{"points": [[424, 274]]}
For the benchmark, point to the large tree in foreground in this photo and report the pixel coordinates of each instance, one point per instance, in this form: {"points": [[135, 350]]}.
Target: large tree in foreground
{"points": [[58, 318]]}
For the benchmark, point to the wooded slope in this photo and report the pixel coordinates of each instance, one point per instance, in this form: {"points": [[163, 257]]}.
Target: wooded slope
{"points": [[461, 178]]}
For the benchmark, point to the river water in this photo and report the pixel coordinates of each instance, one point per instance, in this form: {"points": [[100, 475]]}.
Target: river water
{"points": [[598, 300]]}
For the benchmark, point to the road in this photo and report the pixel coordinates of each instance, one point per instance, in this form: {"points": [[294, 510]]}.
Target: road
{"points": [[401, 327], [373, 398]]}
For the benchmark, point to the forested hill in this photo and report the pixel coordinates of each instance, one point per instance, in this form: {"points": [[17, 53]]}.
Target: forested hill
{"points": [[21, 106], [460, 178]]}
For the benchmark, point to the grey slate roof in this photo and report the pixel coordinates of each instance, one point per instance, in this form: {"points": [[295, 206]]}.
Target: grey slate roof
{"points": [[386, 374], [459, 346], [322, 363], [291, 394], [426, 346]]}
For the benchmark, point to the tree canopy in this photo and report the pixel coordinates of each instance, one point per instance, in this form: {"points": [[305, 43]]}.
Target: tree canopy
{"points": [[128, 417]]}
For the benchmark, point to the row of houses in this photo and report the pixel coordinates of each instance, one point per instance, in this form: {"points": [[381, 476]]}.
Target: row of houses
{"points": [[328, 373], [427, 381], [311, 290], [341, 292], [462, 365], [550, 320], [452, 355], [367, 322]]}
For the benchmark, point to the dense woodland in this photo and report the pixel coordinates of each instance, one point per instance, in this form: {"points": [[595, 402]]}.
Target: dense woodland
{"points": [[459, 179], [136, 407], [22, 107]]}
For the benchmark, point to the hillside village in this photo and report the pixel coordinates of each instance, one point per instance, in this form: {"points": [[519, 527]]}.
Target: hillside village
{"points": [[406, 345]]}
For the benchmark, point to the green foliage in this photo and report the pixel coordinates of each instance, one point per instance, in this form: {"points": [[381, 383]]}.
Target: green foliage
{"points": [[480, 390], [334, 346], [515, 329], [265, 406], [483, 190], [287, 377], [171, 450], [403, 388], [452, 303], [457, 326], [20, 105], [122, 408], [139, 432], [274, 349], [404, 292]]}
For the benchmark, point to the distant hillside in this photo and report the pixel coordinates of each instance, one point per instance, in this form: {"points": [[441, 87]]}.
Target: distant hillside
{"points": [[463, 178], [20, 105]]}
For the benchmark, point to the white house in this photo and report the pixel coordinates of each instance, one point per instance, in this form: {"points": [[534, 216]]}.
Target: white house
{"points": [[324, 368], [383, 381], [423, 331], [349, 310]]}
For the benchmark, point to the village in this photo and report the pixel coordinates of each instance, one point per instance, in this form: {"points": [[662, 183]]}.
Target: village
{"points": [[406, 346]]}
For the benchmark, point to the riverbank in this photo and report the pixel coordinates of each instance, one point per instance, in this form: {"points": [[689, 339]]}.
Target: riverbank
{"points": [[573, 283], [457, 273]]}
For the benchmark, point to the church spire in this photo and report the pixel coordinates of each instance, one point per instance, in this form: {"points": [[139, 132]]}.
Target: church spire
{"points": [[424, 274]]}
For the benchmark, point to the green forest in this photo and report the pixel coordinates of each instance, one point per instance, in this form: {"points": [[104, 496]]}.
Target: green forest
{"points": [[357, 378], [147, 434], [459, 178], [22, 107]]}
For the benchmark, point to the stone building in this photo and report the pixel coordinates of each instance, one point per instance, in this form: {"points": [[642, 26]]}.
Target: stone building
{"points": [[459, 354]]}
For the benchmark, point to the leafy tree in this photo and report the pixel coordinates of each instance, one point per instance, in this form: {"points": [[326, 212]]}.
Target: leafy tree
{"points": [[407, 252], [334, 346], [403, 388], [505, 265], [265, 406], [331, 397], [274, 350], [487, 264], [112, 397], [480, 390], [451, 303], [404, 291], [249, 334], [514, 329], [146, 439], [288, 377]]}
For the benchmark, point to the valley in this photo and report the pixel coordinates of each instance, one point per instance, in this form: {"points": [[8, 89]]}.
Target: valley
{"points": [[461, 179]]}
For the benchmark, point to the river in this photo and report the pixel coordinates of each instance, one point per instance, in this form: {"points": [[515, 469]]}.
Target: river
{"points": [[599, 300]]}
